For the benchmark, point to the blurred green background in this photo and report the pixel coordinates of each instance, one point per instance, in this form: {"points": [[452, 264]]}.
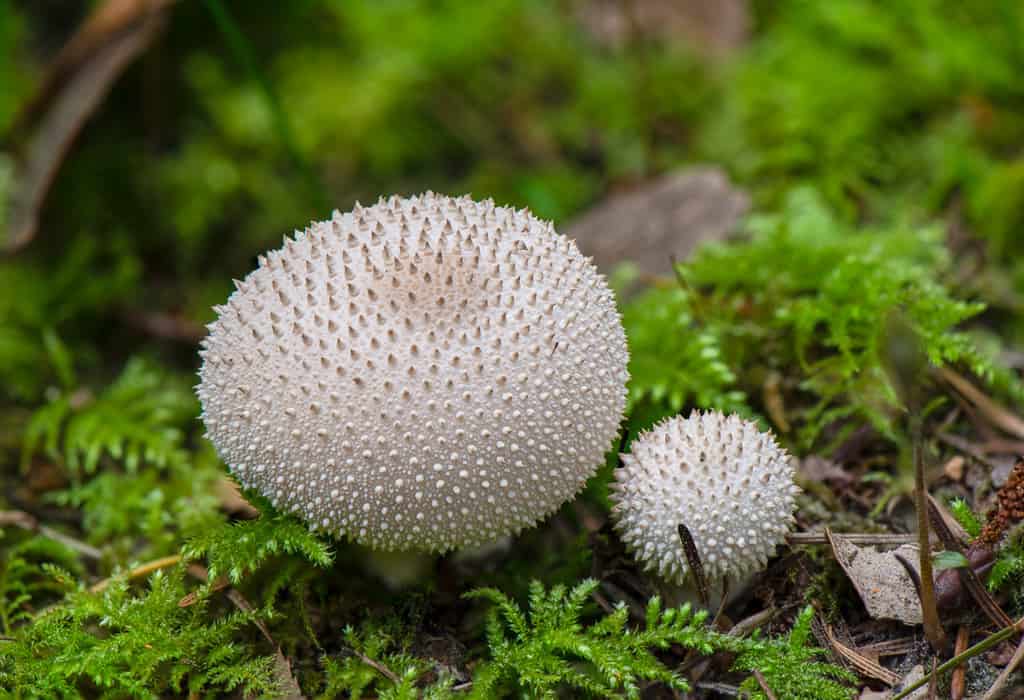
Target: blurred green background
{"points": [[245, 120]]}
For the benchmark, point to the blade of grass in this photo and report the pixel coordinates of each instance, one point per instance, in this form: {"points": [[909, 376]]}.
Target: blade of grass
{"points": [[996, 690], [244, 54], [979, 648]]}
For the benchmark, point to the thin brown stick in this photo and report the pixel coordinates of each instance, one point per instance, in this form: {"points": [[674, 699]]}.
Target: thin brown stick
{"points": [[377, 666], [764, 685], [891, 647], [138, 572], [933, 684], [864, 538], [998, 415], [749, 624], [193, 596], [929, 611], [602, 601], [958, 683], [979, 648], [113, 36], [965, 447], [721, 605], [1003, 447], [282, 666], [27, 521]]}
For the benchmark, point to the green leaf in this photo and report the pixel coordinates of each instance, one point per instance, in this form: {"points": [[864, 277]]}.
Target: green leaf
{"points": [[949, 560]]}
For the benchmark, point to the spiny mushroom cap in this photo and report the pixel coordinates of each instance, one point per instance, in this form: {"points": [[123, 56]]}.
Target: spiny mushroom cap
{"points": [[727, 481], [423, 374]]}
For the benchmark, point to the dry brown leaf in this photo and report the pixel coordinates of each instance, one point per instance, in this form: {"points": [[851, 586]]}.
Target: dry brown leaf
{"points": [[716, 27], [953, 469], [814, 468], [662, 219], [880, 580]]}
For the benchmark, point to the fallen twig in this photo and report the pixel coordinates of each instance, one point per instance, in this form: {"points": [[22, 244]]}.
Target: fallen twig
{"points": [[137, 572], [890, 647], [926, 587], [957, 684], [27, 521], [113, 36], [290, 689], [749, 624], [864, 538], [377, 666], [965, 447], [200, 572], [764, 685], [977, 649], [998, 415]]}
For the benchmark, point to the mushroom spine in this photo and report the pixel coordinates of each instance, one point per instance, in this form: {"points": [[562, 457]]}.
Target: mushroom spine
{"points": [[722, 477], [423, 374]]}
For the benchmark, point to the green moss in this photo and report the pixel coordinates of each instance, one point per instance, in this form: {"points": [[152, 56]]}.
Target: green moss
{"points": [[137, 644], [807, 296]]}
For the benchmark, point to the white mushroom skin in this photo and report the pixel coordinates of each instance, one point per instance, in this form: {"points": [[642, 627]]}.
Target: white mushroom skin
{"points": [[723, 478], [427, 373]]}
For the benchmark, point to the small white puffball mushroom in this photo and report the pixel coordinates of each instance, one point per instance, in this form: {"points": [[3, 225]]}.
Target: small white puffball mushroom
{"points": [[427, 373], [721, 477]]}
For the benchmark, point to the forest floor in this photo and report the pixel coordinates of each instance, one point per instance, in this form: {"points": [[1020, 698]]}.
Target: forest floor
{"points": [[810, 216]]}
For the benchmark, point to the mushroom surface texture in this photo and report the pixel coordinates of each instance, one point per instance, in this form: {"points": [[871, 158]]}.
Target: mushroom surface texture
{"points": [[424, 374], [721, 477]]}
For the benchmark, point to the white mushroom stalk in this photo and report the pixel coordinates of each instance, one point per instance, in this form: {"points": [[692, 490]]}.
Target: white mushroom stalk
{"points": [[424, 374], [729, 483]]}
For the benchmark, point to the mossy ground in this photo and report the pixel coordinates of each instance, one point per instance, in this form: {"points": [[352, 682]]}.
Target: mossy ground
{"points": [[880, 143]]}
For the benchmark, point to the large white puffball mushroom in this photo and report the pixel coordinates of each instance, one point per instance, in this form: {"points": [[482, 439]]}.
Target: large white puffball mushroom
{"points": [[426, 373], [721, 477]]}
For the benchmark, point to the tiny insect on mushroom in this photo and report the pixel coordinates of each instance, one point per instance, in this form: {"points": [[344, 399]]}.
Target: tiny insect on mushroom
{"points": [[423, 374], [727, 481]]}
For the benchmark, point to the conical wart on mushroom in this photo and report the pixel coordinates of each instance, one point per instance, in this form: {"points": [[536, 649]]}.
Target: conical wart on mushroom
{"points": [[423, 374], [729, 483]]}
